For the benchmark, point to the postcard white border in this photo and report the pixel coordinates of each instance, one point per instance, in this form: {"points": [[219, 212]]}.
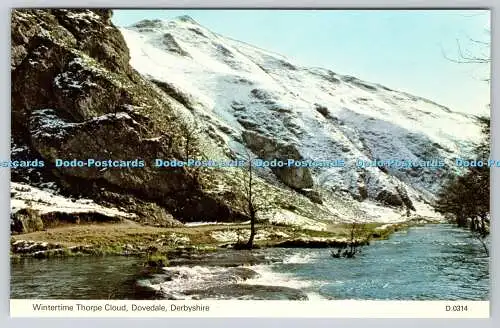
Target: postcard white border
{"points": [[241, 309], [5, 321]]}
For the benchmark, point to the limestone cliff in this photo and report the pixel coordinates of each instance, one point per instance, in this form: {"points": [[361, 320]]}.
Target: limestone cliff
{"points": [[74, 95]]}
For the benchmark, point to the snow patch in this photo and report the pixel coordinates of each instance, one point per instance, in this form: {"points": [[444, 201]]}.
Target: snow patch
{"points": [[87, 16], [240, 87], [286, 217], [46, 201]]}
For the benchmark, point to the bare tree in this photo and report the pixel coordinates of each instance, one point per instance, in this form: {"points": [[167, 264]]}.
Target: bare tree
{"points": [[358, 236], [480, 55], [467, 57], [251, 200], [480, 228], [468, 197], [189, 142]]}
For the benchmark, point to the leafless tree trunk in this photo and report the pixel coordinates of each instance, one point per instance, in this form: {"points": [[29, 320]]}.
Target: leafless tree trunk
{"points": [[189, 134], [479, 231], [250, 199]]}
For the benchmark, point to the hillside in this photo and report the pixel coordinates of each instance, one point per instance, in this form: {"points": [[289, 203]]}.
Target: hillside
{"points": [[82, 88], [249, 98]]}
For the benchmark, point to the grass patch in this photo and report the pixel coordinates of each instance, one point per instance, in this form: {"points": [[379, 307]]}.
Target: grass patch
{"points": [[113, 249], [153, 243], [155, 262]]}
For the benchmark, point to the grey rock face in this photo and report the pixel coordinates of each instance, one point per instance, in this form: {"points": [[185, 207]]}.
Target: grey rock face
{"points": [[270, 149], [74, 95]]}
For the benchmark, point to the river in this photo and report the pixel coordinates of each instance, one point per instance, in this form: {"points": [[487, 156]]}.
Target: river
{"points": [[433, 262]]}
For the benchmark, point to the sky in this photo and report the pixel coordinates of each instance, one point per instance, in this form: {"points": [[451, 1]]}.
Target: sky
{"points": [[402, 49]]}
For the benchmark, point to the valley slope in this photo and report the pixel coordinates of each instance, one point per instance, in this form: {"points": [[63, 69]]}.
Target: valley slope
{"points": [[83, 88]]}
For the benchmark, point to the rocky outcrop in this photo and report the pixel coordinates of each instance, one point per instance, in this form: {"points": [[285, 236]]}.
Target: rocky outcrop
{"points": [[221, 258], [74, 95], [172, 45], [270, 149], [65, 56], [29, 220], [389, 198], [25, 221], [114, 137], [405, 198], [322, 110], [313, 195], [254, 292]]}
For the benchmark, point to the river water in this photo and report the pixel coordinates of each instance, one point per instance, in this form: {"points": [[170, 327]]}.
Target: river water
{"points": [[433, 262]]}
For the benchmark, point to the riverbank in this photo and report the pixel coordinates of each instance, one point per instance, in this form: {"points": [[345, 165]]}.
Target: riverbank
{"points": [[129, 238], [431, 262]]}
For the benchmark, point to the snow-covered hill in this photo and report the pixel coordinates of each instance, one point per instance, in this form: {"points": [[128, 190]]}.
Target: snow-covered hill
{"points": [[246, 97]]}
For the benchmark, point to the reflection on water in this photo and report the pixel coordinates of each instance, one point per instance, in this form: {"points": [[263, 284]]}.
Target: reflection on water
{"points": [[431, 262], [75, 278]]}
